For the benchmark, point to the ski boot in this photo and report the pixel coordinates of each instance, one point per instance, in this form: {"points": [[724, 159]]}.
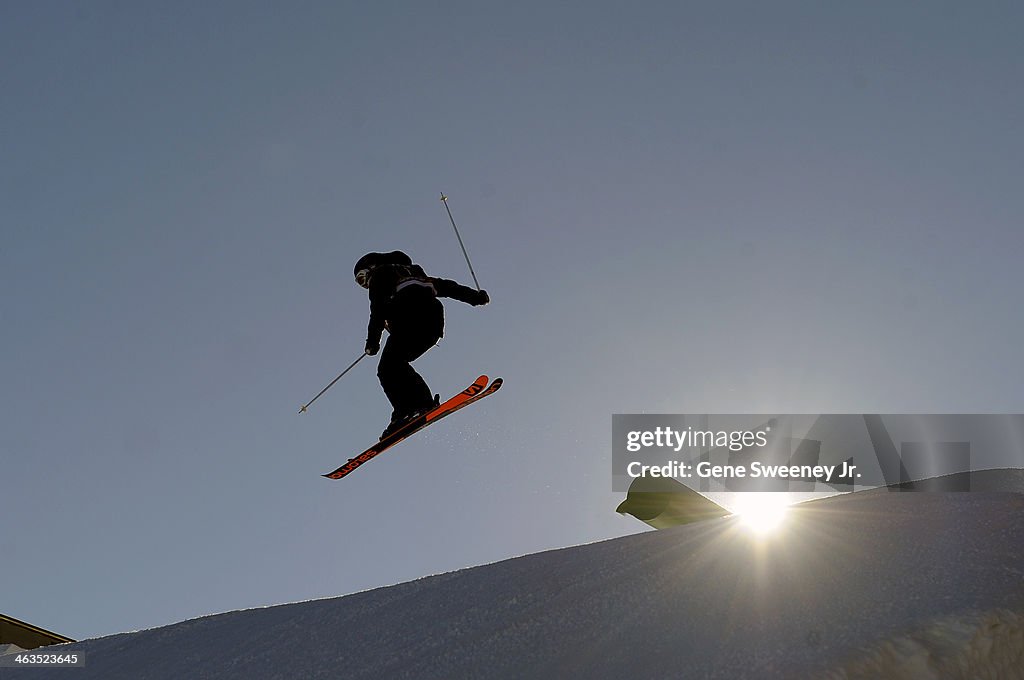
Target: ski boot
{"points": [[400, 421]]}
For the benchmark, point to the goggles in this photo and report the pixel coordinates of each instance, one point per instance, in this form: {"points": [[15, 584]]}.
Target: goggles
{"points": [[363, 278]]}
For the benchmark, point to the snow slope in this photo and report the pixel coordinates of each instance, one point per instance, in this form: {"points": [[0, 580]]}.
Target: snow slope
{"points": [[879, 585]]}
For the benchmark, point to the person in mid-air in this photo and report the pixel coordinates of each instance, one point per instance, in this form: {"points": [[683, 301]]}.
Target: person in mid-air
{"points": [[404, 300]]}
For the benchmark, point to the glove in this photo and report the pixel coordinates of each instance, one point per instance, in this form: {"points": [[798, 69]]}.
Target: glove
{"points": [[482, 298], [372, 347]]}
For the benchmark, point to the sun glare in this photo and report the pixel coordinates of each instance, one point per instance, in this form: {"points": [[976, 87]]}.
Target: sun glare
{"points": [[762, 513]]}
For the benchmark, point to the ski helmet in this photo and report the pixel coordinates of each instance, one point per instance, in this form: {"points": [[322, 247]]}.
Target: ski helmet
{"points": [[367, 262]]}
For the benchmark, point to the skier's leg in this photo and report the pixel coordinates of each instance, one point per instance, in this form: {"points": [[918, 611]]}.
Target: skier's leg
{"points": [[404, 387], [416, 326]]}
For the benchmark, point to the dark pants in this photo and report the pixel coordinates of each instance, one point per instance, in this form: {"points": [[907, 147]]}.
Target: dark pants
{"points": [[416, 324]]}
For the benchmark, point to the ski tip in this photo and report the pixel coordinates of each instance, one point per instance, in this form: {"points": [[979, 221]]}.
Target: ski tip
{"points": [[478, 386]]}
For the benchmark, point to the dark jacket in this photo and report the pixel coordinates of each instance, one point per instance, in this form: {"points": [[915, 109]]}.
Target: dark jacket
{"points": [[390, 284]]}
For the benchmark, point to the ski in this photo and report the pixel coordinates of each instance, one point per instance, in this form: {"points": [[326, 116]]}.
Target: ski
{"points": [[478, 390], [491, 389]]}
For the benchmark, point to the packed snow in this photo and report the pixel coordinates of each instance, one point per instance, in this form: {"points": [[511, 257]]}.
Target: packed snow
{"points": [[896, 585]]}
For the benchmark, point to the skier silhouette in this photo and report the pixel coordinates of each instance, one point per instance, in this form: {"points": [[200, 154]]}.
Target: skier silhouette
{"points": [[404, 300]]}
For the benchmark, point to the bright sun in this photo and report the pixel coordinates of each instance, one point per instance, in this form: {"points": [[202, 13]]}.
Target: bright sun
{"points": [[759, 511]]}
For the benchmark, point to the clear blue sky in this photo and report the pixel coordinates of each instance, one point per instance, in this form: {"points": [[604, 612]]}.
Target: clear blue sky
{"points": [[676, 207]]}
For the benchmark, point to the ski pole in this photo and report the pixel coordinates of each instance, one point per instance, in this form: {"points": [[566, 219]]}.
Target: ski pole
{"points": [[303, 409], [444, 199]]}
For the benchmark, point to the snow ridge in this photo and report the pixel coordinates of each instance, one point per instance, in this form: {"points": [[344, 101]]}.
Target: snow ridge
{"points": [[847, 587]]}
